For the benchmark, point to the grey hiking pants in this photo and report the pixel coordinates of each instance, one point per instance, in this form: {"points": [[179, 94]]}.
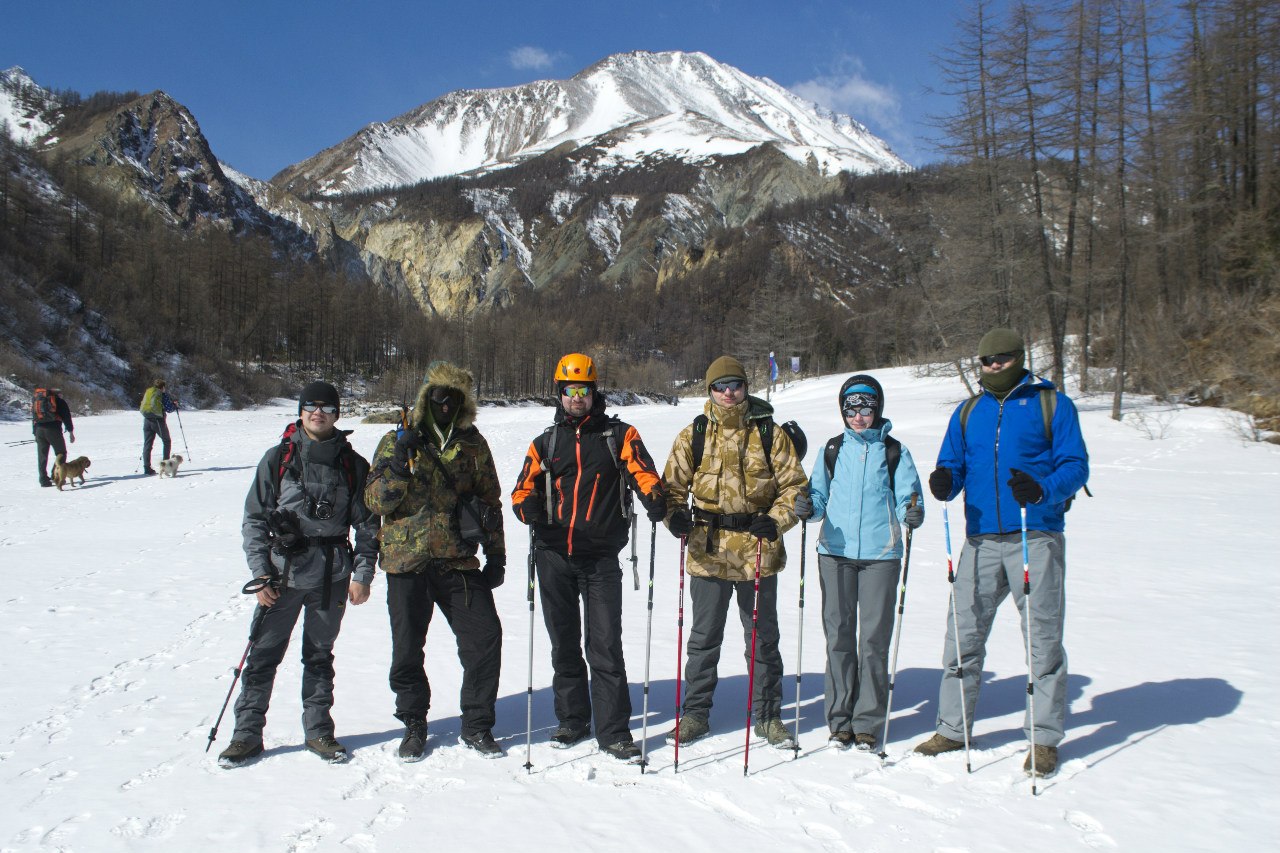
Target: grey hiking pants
{"points": [[857, 616], [989, 568], [319, 632], [710, 597]]}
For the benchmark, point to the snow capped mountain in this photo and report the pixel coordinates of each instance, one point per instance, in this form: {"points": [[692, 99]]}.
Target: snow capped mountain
{"points": [[627, 107], [22, 106]]}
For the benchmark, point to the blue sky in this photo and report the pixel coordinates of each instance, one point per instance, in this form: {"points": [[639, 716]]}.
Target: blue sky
{"points": [[273, 82]]}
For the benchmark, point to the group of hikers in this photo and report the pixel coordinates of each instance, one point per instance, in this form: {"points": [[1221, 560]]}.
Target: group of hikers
{"points": [[427, 508], [51, 416]]}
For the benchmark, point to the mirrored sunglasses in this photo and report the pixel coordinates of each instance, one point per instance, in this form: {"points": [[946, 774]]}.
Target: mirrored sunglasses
{"points": [[726, 386], [865, 411], [324, 407], [577, 391], [998, 358]]}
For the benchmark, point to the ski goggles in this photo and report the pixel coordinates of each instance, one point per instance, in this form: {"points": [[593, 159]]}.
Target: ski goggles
{"points": [[998, 358], [441, 396], [576, 390], [727, 386], [859, 404], [323, 407]]}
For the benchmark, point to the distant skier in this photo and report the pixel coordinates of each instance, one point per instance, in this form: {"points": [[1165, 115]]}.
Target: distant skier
{"points": [[1016, 444], [862, 504], [306, 496]]}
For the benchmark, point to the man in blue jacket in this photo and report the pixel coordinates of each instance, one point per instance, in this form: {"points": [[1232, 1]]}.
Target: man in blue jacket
{"points": [[1016, 444], [862, 501]]}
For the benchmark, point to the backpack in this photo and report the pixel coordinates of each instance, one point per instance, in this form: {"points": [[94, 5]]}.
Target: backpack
{"points": [[892, 453], [765, 426], [44, 405], [287, 449]]}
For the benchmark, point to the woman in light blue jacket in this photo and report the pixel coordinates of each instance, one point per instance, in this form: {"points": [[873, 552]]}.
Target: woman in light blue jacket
{"points": [[861, 490]]}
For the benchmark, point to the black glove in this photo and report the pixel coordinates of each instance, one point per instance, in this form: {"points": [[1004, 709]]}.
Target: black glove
{"points": [[763, 527], [531, 510], [655, 504], [407, 445], [1025, 488], [940, 483], [681, 522], [287, 538], [494, 571], [804, 506], [913, 517]]}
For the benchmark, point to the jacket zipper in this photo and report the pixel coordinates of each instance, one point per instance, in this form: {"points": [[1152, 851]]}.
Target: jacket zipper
{"points": [[577, 478], [996, 457]]}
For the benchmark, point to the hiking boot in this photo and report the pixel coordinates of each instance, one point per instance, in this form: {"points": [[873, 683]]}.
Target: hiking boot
{"points": [[567, 736], [46, 484], [1046, 761], [864, 742], [939, 744], [623, 750], [841, 739], [239, 752], [775, 732], [413, 747], [483, 743], [329, 749], [691, 728]]}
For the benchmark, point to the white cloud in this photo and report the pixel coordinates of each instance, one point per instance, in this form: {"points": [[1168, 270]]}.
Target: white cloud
{"points": [[848, 90], [531, 57]]}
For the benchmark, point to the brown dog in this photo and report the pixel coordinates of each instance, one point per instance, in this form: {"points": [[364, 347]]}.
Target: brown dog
{"points": [[66, 472]]}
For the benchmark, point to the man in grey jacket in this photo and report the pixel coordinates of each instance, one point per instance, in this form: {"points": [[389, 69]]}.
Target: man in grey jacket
{"points": [[307, 493]]}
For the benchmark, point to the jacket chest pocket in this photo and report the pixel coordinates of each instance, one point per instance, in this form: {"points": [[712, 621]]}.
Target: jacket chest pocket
{"points": [[708, 479]]}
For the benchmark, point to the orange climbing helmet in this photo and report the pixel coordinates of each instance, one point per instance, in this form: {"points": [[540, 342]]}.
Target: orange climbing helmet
{"points": [[575, 367]]}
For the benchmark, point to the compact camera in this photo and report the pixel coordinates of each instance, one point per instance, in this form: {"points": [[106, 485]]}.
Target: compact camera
{"points": [[320, 509]]}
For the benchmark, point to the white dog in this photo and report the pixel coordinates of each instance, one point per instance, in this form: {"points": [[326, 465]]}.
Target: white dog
{"points": [[169, 467]]}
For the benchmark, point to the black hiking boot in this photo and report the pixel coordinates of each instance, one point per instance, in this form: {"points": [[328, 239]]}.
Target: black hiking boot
{"points": [[414, 745], [623, 750], [46, 484], [329, 749], [841, 739], [239, 752], [484, 744], [566, 736]]}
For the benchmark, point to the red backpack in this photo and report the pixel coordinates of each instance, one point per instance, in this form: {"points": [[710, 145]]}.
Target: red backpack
{"points": [[44, 405]]}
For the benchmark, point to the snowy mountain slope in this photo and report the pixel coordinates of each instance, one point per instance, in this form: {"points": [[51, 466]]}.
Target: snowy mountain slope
{"points": [[24, 106], [683, 105], [123, 620]]}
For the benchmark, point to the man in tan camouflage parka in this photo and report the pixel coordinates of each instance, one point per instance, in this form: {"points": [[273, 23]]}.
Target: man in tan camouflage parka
{"points": [[428, 561], [741, 501]]}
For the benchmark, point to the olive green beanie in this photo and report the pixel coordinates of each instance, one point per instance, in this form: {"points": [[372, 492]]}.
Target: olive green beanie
{"points": [[725, 367], [997, 341]]}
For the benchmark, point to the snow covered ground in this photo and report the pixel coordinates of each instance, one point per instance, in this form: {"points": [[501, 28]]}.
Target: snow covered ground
{"points": [[123, 620]]}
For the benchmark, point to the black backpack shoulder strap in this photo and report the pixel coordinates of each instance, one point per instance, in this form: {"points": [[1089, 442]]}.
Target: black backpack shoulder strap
{"points": [[892, 453], [699, 440], [832, 452], [966, 410], [1048, 405], [765, 425]]}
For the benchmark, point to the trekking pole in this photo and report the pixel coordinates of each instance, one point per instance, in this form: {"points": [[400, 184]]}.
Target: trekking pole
{"points": [[751, 671], [250, 588], [648, 637], [897, 636], [795, 748], [19, 443], [635, 561], [1031, 684], [178, 412], [955, 629], [528, 727], [680, 648]]}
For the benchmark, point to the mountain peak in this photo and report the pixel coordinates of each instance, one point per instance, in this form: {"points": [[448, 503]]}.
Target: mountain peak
{"points": [[628, 106]]}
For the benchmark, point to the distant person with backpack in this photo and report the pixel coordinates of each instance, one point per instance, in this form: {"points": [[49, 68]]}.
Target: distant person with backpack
{"points": [[574, 492], [50, 415], [862, 490], [435, 485], [156, 405], [1016, 444], [744, 475], [307, 495]]}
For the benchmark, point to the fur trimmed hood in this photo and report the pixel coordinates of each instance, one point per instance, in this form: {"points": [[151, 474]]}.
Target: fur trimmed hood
{"points": [[442, 374]]}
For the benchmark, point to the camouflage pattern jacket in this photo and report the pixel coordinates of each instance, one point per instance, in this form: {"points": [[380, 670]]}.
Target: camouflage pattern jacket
{"points": [[733, 479], [419, 518]]}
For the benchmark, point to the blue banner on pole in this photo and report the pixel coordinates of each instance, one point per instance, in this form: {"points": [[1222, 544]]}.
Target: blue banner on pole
{"points": [[773, 369]]}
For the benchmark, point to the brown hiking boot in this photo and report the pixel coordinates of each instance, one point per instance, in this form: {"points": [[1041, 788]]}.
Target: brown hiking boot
{"points": [[864, 742], [939, 744], [1046, 761], [774, 731]]}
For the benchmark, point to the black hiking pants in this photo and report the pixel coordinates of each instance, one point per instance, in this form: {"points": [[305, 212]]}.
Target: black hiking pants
{"points": [[563, 581], [467, 605], [48, 437]]}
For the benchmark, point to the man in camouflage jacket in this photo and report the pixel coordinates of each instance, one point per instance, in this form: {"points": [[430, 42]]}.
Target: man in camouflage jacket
{"points": [[741, 502], [428, 561]]}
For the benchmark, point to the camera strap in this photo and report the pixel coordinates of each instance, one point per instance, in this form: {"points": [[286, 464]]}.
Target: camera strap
{"points": [[430, 453]]}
